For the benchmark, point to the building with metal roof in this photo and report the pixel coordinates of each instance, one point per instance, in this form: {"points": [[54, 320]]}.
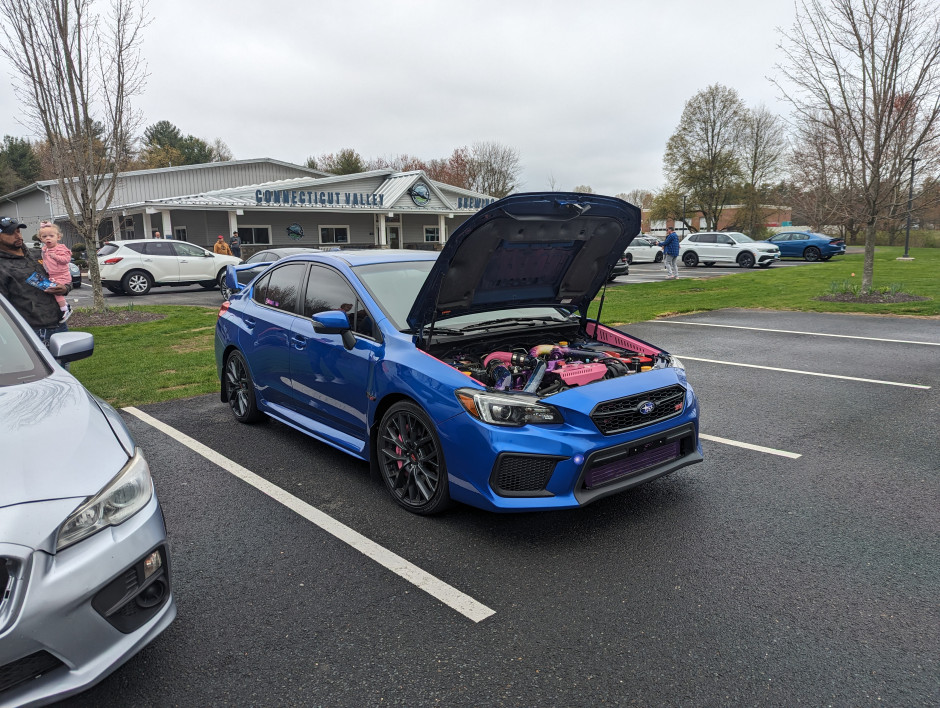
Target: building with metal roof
{"points": [[269, 203]]}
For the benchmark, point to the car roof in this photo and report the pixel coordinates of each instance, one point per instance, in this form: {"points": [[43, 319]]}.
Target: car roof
{"points": [[369, 256]]}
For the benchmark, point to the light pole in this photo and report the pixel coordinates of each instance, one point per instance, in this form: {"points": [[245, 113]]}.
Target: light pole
{"points": [[910, 201]]}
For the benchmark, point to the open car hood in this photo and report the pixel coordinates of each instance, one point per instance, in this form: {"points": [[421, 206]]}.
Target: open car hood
{"points": [[542, 248]]}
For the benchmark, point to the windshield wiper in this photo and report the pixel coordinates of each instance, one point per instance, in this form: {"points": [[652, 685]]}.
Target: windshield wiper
{"points": [[512, 320], [437, 330]]}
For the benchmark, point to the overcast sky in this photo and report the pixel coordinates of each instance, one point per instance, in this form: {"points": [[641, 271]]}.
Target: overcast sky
{"points": [[587, 93]]}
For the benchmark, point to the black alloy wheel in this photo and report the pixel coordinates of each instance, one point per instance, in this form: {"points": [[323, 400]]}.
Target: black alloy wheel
{"points": [[629, 259], [690, 259], [658, 258], [746, 260], [411, 461], [812, 254], [240, 390]]}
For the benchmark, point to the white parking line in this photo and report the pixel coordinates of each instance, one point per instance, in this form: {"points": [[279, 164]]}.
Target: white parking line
{"points": [[790, 331], [749, 446], [804, 373], [438, 589]]}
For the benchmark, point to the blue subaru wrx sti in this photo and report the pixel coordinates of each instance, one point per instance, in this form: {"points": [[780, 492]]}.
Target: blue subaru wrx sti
{"points": [[474, 375]]}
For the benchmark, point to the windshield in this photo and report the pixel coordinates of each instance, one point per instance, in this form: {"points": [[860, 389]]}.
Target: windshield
{"points": [[19, 362], [394, 286]]}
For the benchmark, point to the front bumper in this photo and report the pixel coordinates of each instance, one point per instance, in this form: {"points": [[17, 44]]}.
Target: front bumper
{"points": [[52, 617], [568, 455], [768, 257]]}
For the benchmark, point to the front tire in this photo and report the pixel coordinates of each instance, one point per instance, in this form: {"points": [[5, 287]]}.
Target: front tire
{"points": [[411, 461], [690, 259], [746, 260], [658, 258], [240, 389], [136, 283], [629, 259]]}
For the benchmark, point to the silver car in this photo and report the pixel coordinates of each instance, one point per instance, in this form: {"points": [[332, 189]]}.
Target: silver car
{"points": [[84, 565]]}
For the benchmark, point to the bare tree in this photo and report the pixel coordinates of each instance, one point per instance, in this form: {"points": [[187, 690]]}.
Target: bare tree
{"points": [[583, 189], [762, 148], [701, 159], [642, 198], [494, 168], [867, 74], [76, 72]]}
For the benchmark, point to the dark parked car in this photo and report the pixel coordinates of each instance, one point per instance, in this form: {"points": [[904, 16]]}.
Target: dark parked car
{"points": [[808, 245], [262, 259], [621, 267], [76, 275]]}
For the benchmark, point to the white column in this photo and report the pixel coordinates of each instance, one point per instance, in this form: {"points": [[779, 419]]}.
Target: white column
{"points": [[383, 241], [116, 227], [441, 229], [232, 222], [148, 230], [167, 224]]}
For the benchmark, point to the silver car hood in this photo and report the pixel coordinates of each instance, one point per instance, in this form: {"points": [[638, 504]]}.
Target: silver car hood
{"points": [[55, 442]]}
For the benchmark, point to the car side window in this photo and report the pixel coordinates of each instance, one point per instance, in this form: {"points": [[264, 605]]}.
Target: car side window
{"points": [[186, 249], [727, 240], [138, 247], [800, 237], [780, 237], [328, 290], [257, 292], [159, 248], [282, 287], [707, 238]]}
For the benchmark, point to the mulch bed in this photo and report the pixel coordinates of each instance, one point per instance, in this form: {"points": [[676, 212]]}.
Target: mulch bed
{"points": [[79, 320], [873, 299]]}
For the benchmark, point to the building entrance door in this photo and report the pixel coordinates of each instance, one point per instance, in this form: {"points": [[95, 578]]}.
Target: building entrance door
{"points": [[394, 236]]}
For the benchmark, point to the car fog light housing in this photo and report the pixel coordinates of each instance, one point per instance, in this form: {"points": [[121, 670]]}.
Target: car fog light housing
{"points": [[152, 564], [507, 409]]}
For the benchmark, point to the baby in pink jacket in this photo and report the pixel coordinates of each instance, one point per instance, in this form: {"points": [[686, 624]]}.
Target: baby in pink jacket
{"points": [[56, 257]]}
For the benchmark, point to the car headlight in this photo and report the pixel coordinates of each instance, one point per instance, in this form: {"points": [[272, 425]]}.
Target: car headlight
{"points": [[121, 498], [506, 409], [676, 364]]}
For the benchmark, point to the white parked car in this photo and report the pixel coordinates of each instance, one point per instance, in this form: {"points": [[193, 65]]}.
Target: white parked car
{"points": [[136, 266], [644, 249], [726, 247]]}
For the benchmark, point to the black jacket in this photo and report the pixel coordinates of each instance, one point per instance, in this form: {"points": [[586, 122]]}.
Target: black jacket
{"points": [[38, 308]]}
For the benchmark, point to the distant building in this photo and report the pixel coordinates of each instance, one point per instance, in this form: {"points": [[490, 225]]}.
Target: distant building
{"points": [[776, 217], [269, 203]]}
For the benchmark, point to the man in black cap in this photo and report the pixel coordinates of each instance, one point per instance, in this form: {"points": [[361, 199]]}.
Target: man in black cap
{"points": [[37, 307]]}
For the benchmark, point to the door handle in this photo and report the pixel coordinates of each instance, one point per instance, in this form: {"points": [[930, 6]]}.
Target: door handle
{"points": [[299, 341], [250, 322]]}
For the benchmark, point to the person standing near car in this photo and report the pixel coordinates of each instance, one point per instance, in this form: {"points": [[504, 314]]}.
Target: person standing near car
{"points": [[236, 245], [222, 247], [38, 307], [56, 257], [671, 253]]}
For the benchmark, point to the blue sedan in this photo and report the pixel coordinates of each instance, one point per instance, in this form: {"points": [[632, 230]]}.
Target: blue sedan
{"points": [[808, 245], [474, 376]]}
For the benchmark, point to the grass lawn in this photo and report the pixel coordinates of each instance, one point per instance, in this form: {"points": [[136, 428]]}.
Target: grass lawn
{"points": [[136, 364]]}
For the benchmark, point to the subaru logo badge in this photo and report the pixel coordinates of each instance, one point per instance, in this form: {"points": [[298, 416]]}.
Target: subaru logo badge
{"points": [[646, 407]]}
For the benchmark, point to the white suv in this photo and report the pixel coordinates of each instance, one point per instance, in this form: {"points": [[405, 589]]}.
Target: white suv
{"points": [[711, 247], [133, 267]]}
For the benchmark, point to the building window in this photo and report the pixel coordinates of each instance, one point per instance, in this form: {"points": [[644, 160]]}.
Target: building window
{"points": [[179, 233], [254, 235], [127, 228], [432, 234], [334, 234]]}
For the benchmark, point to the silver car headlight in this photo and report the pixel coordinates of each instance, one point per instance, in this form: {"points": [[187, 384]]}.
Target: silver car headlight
{"points": [[505, 409], [120, 499], [676, 364]]}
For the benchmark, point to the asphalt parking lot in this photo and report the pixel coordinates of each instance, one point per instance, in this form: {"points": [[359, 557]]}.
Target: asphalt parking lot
{"points": [[796, 566]]}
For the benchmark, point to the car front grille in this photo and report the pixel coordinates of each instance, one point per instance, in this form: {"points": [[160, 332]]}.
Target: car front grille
{"points": [[26, 669], [624, 414], [522, 475]]}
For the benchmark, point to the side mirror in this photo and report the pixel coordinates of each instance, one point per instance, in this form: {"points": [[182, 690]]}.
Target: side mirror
{"points": [[71, 346], [334, 322]]}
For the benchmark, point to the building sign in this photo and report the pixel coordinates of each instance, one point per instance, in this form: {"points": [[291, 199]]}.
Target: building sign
{"points": [[420, 194], [473, 202], [294, 197], [295, 232]]}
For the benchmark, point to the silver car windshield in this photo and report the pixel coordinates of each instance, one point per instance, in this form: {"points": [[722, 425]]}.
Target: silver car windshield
{"points": [[19, 362]]}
